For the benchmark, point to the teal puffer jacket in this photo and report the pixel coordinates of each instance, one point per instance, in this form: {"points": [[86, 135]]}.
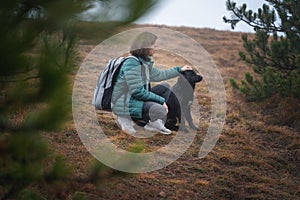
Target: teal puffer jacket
{"points": [[131, 90]]}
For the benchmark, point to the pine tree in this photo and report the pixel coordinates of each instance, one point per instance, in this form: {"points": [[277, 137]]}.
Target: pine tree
{"points": [[274, 53], [37, 53]]}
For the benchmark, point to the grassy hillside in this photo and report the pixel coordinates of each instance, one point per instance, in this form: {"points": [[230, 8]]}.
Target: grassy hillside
{"points": [[256, 157]]}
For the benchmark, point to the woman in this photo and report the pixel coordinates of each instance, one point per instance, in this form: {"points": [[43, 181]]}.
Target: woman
{"points": [[132, 96]]}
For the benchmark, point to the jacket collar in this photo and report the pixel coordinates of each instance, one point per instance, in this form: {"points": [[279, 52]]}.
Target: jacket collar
{"points": [[148, 63]]}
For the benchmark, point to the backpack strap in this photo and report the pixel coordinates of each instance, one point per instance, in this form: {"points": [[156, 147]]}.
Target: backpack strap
{"points": [[136, 58], [109, 68]]}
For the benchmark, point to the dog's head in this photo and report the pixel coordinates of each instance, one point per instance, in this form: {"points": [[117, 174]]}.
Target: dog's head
{"points": [[191, 76]]}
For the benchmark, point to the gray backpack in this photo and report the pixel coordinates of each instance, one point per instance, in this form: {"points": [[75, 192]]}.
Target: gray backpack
{"points": [[106, 79]]}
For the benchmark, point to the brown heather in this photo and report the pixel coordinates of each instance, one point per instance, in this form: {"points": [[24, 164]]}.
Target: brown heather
{"points": [[256, 157]]}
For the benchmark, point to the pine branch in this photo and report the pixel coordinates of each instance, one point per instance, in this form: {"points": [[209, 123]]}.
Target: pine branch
{"points": [[257, 25]]}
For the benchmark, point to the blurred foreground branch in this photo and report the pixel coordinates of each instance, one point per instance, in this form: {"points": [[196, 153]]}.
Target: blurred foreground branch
{"points": [[38, 53]]}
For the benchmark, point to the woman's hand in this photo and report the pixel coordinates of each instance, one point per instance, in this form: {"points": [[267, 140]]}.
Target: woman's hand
{"points": [[166, 107], [186, 67]]}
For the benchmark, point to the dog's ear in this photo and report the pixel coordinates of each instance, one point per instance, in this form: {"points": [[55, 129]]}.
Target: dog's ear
{"points": [[182, 74], [181, 77]]}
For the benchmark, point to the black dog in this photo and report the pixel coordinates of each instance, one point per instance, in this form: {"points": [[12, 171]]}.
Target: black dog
{"points": [[180, 101]]}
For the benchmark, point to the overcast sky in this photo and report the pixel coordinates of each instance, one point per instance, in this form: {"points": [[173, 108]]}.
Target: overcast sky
{"points": [[196, 13]]}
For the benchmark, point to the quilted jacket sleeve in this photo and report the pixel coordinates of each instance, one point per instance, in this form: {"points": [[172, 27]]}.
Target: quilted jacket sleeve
{"points": [[160, 75], [135, 82]]}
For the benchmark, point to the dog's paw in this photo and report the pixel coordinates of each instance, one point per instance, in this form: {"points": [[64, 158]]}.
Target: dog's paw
{"points": [[183, 129], [194, 128]]}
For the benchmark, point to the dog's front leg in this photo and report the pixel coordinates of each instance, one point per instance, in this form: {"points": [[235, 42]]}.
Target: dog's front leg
{"points": [[182, 120], [189, 118]]}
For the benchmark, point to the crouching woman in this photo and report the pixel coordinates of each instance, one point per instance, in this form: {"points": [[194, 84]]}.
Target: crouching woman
{"points": [[132, 96]]}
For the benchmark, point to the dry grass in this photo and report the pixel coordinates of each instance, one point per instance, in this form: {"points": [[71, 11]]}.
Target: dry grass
{"points": [[256, 157]]}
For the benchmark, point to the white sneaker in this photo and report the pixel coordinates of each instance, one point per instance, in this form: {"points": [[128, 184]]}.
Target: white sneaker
{"points": [[126, 124], [157, 125]]}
